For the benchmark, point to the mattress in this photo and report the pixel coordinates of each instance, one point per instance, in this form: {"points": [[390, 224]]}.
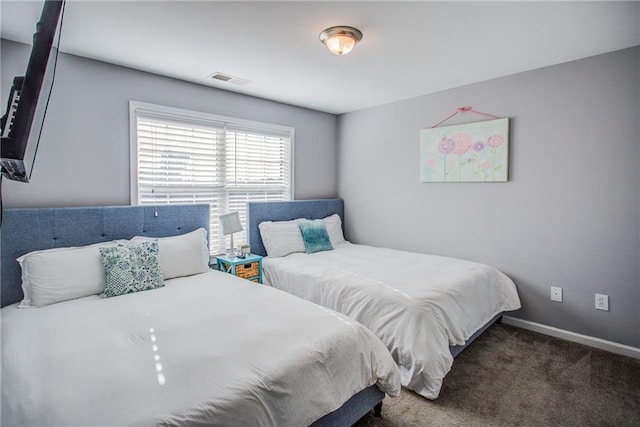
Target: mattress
{"points": [[207, 349], [418, 304]]}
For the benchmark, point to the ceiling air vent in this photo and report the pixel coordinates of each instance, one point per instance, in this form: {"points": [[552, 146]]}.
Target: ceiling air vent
{"points": [[229, 79]]}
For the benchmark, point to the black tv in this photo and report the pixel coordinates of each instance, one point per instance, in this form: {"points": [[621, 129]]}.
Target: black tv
{"points": [[28, 99]]}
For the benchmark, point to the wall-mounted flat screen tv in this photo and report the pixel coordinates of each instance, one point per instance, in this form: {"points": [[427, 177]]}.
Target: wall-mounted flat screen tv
{"points": [[28, 99]]}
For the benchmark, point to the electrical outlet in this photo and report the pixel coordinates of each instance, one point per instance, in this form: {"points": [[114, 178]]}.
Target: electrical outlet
{"points": [[602, 302], [556, 294]]}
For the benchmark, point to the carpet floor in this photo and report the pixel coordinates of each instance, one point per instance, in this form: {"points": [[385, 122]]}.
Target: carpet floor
{"points": [[513, 377]]}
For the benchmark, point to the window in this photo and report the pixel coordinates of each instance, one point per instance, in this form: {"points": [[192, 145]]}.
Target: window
{"points": [[180, 156]]}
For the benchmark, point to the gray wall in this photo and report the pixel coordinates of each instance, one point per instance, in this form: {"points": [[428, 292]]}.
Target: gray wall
{"points": [[569, 215], [84, 153]]}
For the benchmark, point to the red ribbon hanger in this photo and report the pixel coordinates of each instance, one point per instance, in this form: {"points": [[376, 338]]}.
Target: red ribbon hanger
{"points": [[460, 110]]}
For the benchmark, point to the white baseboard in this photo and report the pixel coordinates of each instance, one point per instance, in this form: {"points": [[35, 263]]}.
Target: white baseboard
{"points": [[624, 350]]}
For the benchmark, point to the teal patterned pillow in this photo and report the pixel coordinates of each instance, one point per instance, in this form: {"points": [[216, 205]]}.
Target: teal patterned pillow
{"points": [[315, 236], [132, 268]]}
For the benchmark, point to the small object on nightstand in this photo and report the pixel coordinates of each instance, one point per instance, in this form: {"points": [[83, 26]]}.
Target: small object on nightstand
{"points": [[244, 251], [249, 267]]}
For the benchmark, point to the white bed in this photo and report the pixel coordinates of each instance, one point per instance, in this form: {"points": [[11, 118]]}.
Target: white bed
{"points": [[228, 352], [418, 304], [421, 306], [199, 347]]}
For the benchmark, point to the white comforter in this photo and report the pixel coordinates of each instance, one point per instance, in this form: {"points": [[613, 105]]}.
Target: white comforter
{"points": [[417, 304], [209, 349]]}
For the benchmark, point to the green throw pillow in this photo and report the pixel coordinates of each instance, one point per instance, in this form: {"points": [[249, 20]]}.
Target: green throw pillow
{"points": [[315, 236], [132, 268]]}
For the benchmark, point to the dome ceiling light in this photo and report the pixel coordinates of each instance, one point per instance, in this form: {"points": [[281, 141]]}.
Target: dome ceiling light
{"points": [[340, 40]]}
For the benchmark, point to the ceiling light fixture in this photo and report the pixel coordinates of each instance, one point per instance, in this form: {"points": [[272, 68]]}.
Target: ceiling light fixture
{"points": [[340, 40]]}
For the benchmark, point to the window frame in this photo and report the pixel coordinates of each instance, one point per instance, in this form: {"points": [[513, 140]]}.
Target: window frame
{"points": [[137, 108]]}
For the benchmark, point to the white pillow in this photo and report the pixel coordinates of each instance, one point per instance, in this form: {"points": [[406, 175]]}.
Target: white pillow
{"points": [[334, 229], [183, 255], [281, 238], [61, 274]]}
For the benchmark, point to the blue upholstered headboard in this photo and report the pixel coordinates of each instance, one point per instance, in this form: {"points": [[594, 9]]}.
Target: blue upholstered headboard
{"points": [[27, 230], [258, 212]]}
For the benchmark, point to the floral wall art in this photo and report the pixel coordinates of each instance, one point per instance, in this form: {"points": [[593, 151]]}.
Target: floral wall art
{"points": [[471, 152]]}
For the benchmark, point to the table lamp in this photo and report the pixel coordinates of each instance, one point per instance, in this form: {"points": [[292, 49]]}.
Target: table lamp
{"points": [[230, 224]]}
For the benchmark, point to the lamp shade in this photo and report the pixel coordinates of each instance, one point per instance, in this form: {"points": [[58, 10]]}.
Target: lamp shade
{"points": [[230, 223], [340, 44]]}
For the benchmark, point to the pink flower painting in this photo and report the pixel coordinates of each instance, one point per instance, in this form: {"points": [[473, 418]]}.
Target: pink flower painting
{"points": [[463, 143], [470, 152], [495, 141], [447, 145]]}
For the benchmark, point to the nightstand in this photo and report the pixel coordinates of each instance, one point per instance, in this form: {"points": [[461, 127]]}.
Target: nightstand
{"points": [[249, 268]]}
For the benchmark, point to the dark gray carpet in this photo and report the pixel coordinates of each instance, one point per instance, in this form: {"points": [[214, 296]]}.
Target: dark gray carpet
{"points": [[513, 377]]}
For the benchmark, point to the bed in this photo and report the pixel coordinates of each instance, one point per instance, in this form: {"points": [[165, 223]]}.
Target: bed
{"points": [[425, 308], [203, 349]]}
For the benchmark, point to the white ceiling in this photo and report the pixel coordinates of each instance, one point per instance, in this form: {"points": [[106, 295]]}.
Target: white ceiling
{"points": [[409, 48]]}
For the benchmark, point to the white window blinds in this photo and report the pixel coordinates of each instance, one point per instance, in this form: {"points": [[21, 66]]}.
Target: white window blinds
{"points": [[183, 157]]}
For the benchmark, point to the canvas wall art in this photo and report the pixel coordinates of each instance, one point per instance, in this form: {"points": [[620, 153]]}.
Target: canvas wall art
{"points": [[470, 152]]}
